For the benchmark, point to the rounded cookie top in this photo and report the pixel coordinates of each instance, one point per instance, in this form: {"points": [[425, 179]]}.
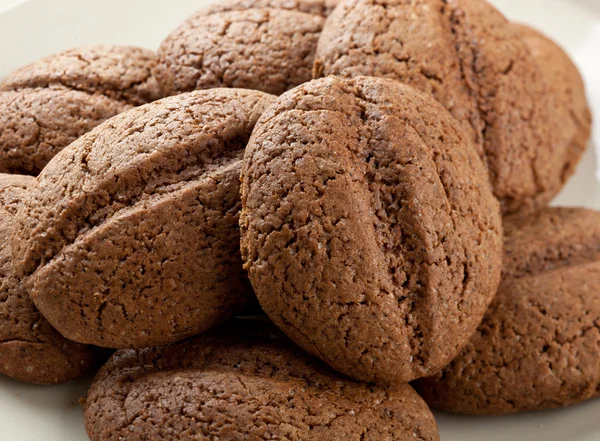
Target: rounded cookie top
{"points": [[315, 7], [35, 124], [244, 383], [265, 49], [538, 344], [406, 40], [30, 349], [466, 54], [369, 230], [12, 190], [146, 250], [123, 73], [48, 104], [553, 237], [567, 89]]}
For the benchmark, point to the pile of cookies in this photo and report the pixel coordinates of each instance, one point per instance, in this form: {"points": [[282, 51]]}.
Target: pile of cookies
{"points": [[292, 211]]}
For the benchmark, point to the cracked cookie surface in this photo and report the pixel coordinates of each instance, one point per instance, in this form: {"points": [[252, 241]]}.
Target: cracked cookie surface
{"points": [[538, 345], [263, 48], [567, 90], [30, 349], [245, 383], [314, 7], [369, 230], [467, 56], [146, 248], [48, 104]]}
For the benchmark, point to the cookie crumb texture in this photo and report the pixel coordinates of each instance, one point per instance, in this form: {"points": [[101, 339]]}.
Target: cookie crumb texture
{"points": [[538, 346], [567, 90], [321, 8], [471, 60], [265, 49], [369, 232], [146, 248], [244, 386], [48, 104], [30, 349]]}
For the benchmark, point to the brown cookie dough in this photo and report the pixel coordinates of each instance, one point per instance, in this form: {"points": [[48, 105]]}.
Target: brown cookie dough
{"points": [[567, 89], [315, 7], [538, 346], [262, 48], [30, 349], [468, 56], [50, 103], [369, 230], [146, 248], [35, 124], [123, 73], [244, 383]]}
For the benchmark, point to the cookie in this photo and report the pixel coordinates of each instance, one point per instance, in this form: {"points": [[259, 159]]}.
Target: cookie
{"points": [[314, 7], [467, 56], [567, 88], [146, 248], [49, 104], [538, 346], [263, 48], [35, 124], [243, 383], [400, 40], [369, 231], [30, 349], [123, 73]]}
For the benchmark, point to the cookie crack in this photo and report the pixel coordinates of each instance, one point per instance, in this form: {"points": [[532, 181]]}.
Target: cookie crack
{"points": [[457, 19], [211, 151]]}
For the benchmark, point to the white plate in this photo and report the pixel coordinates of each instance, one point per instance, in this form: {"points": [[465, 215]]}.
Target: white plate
{"points": [[37, 28]]}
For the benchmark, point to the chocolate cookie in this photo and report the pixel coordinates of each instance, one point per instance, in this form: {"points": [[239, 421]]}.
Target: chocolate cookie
{"points": [[567, 89], [243, 384], [469, 57], [315, 7], [123, 73], [30, 349], [538, 346], [263, 48], [146, 248], [48, 104], [369, 231]]}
